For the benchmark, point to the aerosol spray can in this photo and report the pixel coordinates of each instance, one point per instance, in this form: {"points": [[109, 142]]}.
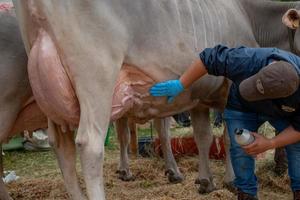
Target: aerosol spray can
{"points": [[243, 136]]}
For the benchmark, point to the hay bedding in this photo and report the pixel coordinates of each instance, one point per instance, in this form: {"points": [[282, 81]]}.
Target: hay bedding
{"points": [[38, 189], [151, 184]]}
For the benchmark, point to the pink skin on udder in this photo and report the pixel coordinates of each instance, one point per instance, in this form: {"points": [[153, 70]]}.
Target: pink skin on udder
{"points": [[132, 99], [50, 83]]}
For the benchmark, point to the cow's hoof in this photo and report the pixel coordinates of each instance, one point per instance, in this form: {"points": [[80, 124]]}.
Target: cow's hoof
{"points": [[230, 186], [125, 175], [174, 177], [205, 185]]}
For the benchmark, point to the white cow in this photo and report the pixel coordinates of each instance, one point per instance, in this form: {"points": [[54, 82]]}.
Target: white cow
{"points": [[23, 112]]}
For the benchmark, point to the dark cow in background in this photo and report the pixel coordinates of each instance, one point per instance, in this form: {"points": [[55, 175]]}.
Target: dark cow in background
{"points": [[18, 109], [160, 39]]}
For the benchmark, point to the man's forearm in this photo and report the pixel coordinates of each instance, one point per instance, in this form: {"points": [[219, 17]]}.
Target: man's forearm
{"points": [[194, 72], [286, 137]]}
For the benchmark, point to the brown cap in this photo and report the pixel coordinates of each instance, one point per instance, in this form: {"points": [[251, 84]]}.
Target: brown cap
{"points": [[277, 80]]}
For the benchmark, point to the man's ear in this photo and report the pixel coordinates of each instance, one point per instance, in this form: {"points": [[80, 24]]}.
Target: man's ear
{"points": [[291, 19]]}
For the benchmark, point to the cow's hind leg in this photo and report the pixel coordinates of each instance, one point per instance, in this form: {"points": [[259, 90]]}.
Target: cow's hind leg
{"points": [[1, 161], [3, 193], [64, 148], [203, 138], [95, 107], [95, 77], [90, 143], [162, 126], [7, 118], [124, 139]]}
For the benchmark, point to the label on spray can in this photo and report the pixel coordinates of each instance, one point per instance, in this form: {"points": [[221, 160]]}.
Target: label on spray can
{"points": [[243, 136]]}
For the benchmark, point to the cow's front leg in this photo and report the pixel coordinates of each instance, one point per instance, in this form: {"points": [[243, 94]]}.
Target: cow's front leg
{"points": [[162, 126], [124, 139], [64, 147], [229, 173], [203, 138]]}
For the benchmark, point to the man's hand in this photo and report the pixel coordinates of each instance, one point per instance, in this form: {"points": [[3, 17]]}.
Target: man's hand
{"points": [[260, 145], [170, 88]]}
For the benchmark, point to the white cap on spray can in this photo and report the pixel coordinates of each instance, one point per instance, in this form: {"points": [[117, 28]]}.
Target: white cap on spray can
{"points": [[243, 136]]}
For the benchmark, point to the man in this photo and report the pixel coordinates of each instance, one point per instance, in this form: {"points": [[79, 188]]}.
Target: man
{"points": [[265, 88]]}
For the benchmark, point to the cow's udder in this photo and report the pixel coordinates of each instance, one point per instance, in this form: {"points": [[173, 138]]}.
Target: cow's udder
{"points": [[50, 83], [132, 99]]}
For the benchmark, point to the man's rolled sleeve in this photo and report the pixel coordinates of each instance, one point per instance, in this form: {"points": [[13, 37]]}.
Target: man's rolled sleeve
{"points": [[233, 63], [214, 60]]}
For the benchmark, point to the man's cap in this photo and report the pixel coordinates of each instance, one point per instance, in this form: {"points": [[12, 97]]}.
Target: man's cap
{"points": [[277, 80]]}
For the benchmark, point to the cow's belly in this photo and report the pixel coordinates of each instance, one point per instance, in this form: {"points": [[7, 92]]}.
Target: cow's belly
{"points": [[132, 98], [56, 97], [53, 89]]}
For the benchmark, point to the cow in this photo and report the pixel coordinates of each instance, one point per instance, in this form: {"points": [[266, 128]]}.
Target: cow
{"points": [[89, 41], [28, 115]]}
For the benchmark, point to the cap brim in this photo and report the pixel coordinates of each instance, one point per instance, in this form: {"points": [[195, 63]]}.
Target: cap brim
{"points": [[248, 89]]}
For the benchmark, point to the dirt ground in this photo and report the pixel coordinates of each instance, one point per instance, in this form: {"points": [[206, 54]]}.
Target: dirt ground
{"points": [[42, 180], [40, 177]]}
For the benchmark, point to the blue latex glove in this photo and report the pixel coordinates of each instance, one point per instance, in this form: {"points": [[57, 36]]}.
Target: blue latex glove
{"points": [[170, 88]]}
